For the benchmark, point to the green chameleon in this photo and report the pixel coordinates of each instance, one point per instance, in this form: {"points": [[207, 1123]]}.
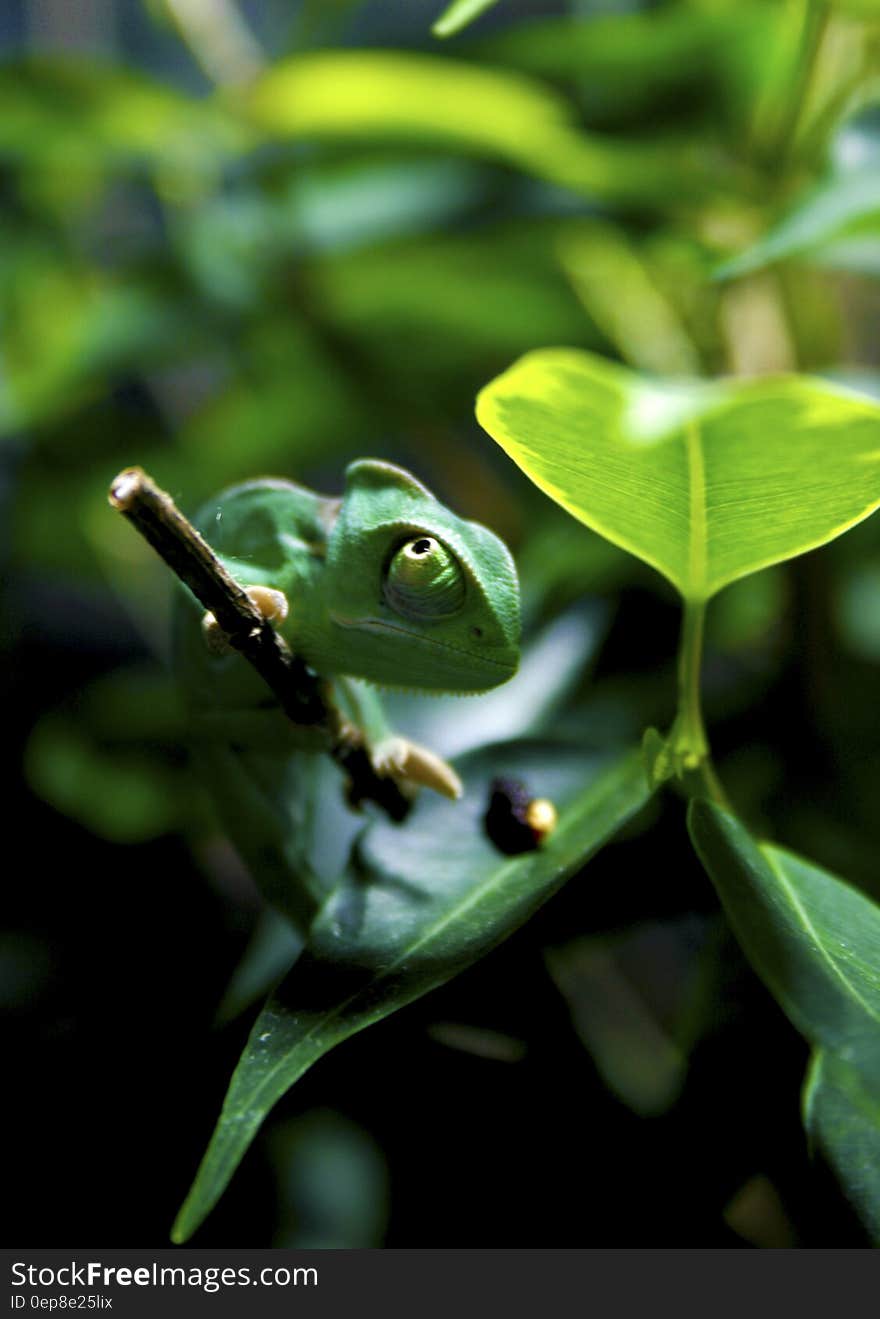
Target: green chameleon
{"points": [[384, 586]]}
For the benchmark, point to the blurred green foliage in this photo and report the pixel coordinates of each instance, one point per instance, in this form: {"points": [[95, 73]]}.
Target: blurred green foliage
{"points": [[325, 258]]}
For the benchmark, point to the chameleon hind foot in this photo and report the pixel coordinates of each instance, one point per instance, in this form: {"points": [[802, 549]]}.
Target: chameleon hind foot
{"points": [[413, 765], [272, 605]]}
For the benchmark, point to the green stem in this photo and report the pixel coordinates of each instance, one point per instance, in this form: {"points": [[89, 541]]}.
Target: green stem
{"points": [[692, 740], [690, 745], [814, 19]]}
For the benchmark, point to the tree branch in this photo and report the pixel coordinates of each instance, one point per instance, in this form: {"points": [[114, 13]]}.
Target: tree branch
{"points": [[153, 513]]}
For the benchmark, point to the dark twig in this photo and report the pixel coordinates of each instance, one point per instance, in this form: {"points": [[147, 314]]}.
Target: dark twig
{"points": [[299, 691]]}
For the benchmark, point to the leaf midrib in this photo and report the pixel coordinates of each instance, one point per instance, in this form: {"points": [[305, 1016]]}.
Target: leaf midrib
{"points": [[813, 934], [697, 524]]}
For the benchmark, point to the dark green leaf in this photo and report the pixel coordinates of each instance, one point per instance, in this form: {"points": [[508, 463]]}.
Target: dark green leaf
{"points": [[623, 63], [842, 1116], [273, 947], [815, 941], [456, 305], [125, 795], [431, 897], [77, 115], [639, 1001], [811, 937]]}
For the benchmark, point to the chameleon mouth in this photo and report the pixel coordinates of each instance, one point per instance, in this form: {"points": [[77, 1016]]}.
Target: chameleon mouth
{"points": [[475, 657]]}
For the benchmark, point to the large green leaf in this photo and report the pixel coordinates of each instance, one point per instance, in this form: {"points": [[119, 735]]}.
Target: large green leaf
{"points": [[815, 941], [315, 813], [430, 898], [811, 937], [414, 98], [706, 482]]}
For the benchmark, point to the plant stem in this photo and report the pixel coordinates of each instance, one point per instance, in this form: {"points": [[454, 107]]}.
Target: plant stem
{"points": [[814, 19], [219, 38], [692, 734], [689, 742]]}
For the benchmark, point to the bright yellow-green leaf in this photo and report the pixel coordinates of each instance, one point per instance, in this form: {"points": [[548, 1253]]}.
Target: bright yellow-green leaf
{"points": [[390, 96], [705, 482]]}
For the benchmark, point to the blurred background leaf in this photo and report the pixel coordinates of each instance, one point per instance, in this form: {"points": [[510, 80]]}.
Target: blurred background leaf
{"points": [[458, 14], [332, 1184]]}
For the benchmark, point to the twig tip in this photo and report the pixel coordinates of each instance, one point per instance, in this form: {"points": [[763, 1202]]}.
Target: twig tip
{"points": [[125, 487]]}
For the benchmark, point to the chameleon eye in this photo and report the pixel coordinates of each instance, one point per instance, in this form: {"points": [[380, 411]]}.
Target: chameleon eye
{"points": [[424, 580]]}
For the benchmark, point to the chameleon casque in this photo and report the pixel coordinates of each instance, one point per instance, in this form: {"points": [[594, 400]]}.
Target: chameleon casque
{"points": [[384, 586]]}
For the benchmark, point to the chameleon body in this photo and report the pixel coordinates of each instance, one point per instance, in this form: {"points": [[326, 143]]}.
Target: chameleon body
{"points": [[384, 585]]}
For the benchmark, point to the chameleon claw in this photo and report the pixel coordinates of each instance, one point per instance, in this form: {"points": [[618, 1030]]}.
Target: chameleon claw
{"points": [[272, 605], [414, 764]]}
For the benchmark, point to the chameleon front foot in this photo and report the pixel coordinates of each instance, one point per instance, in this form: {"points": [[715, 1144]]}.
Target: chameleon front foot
{"points": [[411, 764], [272, 605]]}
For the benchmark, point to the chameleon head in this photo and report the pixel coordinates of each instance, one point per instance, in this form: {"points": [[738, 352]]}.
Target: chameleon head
{"points": [[417, 597]]}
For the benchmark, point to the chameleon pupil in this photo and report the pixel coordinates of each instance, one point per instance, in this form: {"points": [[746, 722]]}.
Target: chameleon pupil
{"points": [[422, 547]]}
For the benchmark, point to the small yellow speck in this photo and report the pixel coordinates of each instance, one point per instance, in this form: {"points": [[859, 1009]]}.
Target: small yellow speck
{"points": [[541, 816]]}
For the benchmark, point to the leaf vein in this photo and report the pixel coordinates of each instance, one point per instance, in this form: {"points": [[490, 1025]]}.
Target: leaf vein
{"points": [[697, 540], [811, 930]]}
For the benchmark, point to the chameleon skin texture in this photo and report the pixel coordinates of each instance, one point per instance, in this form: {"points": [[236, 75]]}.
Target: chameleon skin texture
{"points": [[470, 650], [331, 558]]}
